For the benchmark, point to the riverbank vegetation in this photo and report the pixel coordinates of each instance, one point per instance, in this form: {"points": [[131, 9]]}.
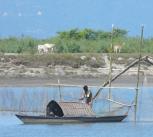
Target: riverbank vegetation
{"points": [[78, 41]]}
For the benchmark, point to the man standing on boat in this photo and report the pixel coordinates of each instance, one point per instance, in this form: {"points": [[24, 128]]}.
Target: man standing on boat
{"points": [[87, 95]]}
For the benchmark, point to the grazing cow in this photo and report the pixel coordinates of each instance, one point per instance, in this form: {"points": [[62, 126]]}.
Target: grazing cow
{"points": [[42, 49], [117, 48], [50, 47], [46, 48]]}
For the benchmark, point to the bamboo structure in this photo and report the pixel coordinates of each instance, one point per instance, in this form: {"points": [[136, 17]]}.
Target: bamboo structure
{"points": [[137, 61], [138, 73], [60, 94], [118, 75], [144, 58], [110, 69]]}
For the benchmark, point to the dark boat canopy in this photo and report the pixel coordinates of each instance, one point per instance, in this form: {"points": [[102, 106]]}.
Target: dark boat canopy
{"points": [[73, 109], [54, 109]]}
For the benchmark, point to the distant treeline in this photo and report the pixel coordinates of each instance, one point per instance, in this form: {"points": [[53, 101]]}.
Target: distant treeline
{"points": [[78, 41]]}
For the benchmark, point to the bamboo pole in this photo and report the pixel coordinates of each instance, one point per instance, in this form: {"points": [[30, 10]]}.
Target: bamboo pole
{"points": [[118, 75], [138, 73], [119, 103], [59, 87], [149, 61], [110, 69]]}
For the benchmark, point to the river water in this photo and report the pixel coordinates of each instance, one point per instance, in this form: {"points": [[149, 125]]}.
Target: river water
{"points": [[10, 126], [33, 97]]}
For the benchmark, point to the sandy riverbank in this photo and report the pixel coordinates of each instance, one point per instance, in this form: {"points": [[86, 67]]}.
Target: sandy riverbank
{"points": [[73, 69]]}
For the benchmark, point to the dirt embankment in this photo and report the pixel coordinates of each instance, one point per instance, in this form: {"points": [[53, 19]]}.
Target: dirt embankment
{"points": [[91, 69]]}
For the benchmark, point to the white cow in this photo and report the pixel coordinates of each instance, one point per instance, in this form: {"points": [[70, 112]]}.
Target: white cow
{"points": [[117, 48], [50, 47], [42, 49], [46, 48]]}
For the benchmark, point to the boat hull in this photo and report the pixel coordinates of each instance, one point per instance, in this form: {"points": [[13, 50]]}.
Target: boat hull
{"points": [[59, 120]]}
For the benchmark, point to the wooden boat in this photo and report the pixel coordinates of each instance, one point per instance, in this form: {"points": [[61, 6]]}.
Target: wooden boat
{"points": [[59, 120], [68, 112]]}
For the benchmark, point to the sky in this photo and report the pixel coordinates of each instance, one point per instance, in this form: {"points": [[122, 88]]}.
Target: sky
{"points": [[44, 18]]}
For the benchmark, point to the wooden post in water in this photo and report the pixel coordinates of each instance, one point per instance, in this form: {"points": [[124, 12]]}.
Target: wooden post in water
{"points": [[60, 94], [110, 69], [138, 74]]}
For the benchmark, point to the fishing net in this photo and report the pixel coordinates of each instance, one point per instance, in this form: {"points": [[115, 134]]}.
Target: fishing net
{"points": [[35, 99], [118, 103]]}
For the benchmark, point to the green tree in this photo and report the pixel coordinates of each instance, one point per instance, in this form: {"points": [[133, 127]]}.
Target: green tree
{"points": [[19, 49], [103, 35], [119, 32], [73, 48], [32, 46]]}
